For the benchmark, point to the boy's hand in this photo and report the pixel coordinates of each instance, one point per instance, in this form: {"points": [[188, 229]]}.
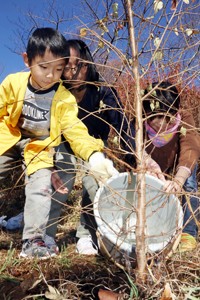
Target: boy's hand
{"points": [[58, 183], [101, 167]]}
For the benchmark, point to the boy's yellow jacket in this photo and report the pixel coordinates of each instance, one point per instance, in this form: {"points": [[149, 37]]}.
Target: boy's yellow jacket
{"points": [[38, 154]]}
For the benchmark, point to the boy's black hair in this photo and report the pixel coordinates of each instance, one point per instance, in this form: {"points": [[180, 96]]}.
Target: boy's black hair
{"points": [[164, 98], [47, 38], [85, 55]]}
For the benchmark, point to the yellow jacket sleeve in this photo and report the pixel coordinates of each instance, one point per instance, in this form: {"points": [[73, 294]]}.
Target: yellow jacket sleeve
{"points": [[73, 129]]}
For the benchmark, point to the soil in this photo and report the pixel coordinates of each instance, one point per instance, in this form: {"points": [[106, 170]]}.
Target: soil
{"points": [[73, 276]]}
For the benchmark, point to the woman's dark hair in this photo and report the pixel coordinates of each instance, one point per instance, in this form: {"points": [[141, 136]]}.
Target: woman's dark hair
{"points": [[44, 39], [85, 55], [162, 97]]}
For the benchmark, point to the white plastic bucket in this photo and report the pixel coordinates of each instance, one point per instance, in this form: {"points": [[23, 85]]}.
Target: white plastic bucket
{"points": [[115, 213]]}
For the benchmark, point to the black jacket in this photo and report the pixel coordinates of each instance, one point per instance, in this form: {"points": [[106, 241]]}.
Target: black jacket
{"points": [[101, 109]]}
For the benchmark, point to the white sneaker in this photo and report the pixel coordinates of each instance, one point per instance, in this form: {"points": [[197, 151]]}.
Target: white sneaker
{"points": [[86, 246]]}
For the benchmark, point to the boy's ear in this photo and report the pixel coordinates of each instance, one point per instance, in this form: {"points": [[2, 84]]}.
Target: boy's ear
{"points": [[25, 58]]}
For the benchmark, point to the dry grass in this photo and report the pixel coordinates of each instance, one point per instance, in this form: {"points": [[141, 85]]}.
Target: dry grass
{"points": [[72, 276]]}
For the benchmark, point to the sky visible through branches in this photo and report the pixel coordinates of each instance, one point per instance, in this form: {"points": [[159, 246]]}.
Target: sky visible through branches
{"points": [[166, 37]]}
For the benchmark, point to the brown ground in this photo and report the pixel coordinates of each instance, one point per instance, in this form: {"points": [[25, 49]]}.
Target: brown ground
{"points": [[72, 276]]}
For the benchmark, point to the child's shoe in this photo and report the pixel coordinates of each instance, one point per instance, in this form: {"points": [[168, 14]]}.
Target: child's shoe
{"points": [[51, 244], [187, 243], [36, 248]]}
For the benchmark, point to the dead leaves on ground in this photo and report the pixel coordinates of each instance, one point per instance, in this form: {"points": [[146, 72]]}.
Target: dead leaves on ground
{"points": [[167, 293], [110, 295]]}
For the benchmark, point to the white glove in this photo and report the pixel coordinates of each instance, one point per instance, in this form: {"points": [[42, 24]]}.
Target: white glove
{"points": [[102, 168]]}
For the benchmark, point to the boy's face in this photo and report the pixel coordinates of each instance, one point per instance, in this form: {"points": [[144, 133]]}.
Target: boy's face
{"points": [[45, 71]]}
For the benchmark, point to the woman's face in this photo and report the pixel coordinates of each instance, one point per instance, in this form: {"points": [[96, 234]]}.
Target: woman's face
{"points": [[75, 71]]}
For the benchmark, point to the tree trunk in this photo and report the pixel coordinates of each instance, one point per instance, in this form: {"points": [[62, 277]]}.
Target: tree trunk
{"points": [[140, 210]]}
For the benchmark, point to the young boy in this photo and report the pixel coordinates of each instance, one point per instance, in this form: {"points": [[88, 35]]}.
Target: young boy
{"points": [[35, 110], [173, 142]]}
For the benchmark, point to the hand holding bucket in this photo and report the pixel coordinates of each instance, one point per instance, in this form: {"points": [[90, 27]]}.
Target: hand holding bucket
{"points": [[115, 208]]}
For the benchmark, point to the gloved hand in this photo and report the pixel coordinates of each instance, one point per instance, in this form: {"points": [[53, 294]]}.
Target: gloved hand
{"points": [[153, 169], [175, 185], [102, 168]]}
